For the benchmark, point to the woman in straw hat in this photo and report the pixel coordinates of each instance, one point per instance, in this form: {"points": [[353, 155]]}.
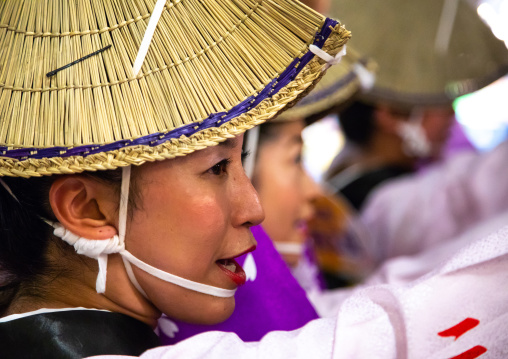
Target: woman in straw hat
{"points": [[273, 299], [447, 51], [288, 194], [91, 88]]}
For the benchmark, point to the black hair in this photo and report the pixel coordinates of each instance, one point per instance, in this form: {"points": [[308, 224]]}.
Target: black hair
{"points": [[357, 122], [25, 236], [269, 131]]}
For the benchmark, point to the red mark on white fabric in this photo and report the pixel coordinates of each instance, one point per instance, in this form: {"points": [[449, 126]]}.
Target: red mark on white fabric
{"points": [[472, 353], [459, 329]]}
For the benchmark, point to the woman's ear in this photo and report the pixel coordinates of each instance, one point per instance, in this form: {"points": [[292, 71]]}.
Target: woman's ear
{"points": [[84, 206]]}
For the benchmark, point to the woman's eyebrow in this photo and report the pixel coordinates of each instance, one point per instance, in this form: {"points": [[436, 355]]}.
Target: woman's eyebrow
{"points": [[297, 139], [229, 143]]}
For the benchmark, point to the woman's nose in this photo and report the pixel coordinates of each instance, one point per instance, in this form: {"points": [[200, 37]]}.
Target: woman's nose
{"points": [[311, 189], [247, 206]]}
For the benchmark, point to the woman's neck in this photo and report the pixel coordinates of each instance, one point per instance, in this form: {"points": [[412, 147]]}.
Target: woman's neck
{"points": [[385, 149], [76, 289]]}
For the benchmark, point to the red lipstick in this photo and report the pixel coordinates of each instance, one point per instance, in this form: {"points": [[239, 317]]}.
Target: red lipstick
{"points": [[233, 270]]}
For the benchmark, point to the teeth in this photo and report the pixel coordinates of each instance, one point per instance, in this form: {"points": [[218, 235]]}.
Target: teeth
{"points": [[230, 266]]}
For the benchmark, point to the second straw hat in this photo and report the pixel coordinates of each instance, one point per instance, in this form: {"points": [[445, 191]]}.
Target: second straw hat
{"points": [[354, 74], [70, 101]]}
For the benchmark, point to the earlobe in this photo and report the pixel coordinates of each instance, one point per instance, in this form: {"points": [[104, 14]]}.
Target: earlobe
{"points": [[82, 206]]}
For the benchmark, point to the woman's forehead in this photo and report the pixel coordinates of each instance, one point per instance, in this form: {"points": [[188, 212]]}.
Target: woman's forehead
{"points": [[222, 149], [232, 142], [290, 134]]}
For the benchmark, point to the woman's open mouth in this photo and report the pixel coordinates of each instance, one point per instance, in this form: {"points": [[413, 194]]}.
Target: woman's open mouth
{"points": [[233, 270]]}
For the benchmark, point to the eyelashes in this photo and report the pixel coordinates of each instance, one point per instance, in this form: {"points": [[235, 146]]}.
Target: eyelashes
{"points": [[220, 167], [245, 155]]}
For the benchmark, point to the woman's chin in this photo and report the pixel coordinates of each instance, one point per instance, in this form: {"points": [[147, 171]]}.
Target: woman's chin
{"points": [[215, 310], [292, 260]]}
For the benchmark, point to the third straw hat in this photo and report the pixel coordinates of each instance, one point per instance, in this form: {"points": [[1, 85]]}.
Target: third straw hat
{"points": [[429, 52]]}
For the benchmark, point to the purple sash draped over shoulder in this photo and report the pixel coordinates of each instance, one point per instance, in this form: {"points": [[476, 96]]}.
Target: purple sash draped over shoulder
{"points": [[270, 300]]}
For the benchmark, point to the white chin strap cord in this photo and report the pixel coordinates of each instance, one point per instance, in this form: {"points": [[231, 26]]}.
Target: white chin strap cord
{"points": [[415, 142], [289, 248], [99, 249]]}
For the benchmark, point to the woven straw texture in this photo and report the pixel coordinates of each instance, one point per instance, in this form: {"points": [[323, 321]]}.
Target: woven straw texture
{"points": [[213, 70], [340, 83], [423, 62]]}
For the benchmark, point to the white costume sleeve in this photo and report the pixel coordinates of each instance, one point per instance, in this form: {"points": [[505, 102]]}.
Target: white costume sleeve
{"points": [[461, 308], [404, 269], [408, 215]]}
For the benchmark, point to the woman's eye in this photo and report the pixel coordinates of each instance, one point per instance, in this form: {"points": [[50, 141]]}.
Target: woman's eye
{"points": [[298, 159], [220, 167]]}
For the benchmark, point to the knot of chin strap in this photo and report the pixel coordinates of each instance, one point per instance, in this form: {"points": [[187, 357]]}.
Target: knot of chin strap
{"points": [[93, 248], [330, 60]]}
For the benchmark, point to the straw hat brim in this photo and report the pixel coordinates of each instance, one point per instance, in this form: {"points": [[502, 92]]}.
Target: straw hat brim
{"points": [[284, 84]]}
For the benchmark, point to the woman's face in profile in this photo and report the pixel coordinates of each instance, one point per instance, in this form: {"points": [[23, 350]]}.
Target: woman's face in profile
{"points": [[285, 189], [195, 213], [437, 123]]}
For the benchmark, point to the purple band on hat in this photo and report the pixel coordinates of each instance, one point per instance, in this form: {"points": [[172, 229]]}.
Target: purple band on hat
{"points": [[214, 120], [273, 300]]}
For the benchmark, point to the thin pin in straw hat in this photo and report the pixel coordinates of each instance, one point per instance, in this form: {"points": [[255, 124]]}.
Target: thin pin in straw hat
{"points": [[438, 49], [213, 70]]}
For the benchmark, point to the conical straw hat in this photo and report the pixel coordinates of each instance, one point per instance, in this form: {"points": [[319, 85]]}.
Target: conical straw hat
{"points": [[340, 83], [213, 70], [429, 52]]}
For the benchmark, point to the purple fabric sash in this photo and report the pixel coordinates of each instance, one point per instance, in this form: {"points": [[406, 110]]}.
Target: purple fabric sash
{"points": [[271, 300]]}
